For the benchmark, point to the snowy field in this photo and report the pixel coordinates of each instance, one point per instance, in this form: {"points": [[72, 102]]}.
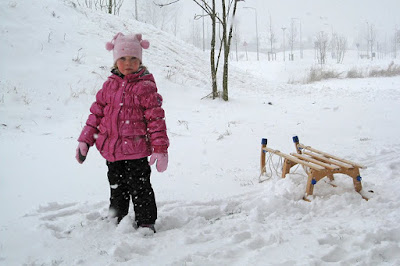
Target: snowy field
{"points": [[212, 208]]}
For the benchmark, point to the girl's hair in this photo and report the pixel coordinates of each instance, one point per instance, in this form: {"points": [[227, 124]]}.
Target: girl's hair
{"points": [[115, 69]]}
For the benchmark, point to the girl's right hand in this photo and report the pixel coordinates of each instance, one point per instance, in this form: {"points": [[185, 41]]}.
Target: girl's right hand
{"points": [[81, 152]]}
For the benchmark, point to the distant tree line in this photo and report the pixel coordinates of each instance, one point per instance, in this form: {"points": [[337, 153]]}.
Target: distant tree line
{"points": [[221, 14], [109, 6]]}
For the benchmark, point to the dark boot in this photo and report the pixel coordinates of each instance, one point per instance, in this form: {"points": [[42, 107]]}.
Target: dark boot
{"points": [[150, 226]]}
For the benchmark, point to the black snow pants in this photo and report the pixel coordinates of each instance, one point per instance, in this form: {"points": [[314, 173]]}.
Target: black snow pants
{"points": [[130, 179]]}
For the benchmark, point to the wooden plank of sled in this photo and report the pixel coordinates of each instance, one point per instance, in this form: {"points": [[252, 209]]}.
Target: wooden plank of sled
{"points": [[331, 156], [294, 159], [307, 158], [328, 160]]}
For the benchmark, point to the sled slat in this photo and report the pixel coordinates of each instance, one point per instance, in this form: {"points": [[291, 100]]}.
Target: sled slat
{"points": [[330, 156], [328, 160], [294, 159], [307, 158]]}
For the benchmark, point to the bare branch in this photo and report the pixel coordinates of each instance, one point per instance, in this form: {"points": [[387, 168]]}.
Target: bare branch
{"points": [[205, 6], [166, 4]]}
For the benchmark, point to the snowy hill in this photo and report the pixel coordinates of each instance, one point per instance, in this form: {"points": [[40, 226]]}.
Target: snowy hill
{"points": [[212, 208]]}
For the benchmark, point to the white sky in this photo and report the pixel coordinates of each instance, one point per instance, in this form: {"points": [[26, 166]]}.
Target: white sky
{"points": [[347, 17]]}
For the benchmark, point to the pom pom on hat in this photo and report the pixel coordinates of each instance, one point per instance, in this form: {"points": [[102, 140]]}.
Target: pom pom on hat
{"points": [[145, 44], [109, 46], [127, 45]]}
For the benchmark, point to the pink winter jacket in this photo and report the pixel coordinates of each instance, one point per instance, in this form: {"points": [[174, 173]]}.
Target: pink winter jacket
{"points": [[126, 120]]}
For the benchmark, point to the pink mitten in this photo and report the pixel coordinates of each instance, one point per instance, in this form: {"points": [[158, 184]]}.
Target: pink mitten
{"points": [[81, 152], [162, 161]]}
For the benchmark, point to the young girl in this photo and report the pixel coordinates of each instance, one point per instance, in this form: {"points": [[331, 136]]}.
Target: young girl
{"points": [[127, 124]]}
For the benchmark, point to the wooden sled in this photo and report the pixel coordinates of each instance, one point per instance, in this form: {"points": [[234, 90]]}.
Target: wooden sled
{"points": [[318, 164]]}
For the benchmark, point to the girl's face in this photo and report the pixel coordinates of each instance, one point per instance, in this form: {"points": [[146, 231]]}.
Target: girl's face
{"points": [[128, 65]]}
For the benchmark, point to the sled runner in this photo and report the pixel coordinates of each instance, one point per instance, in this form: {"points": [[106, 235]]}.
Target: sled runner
{"points": [[317, 164]]}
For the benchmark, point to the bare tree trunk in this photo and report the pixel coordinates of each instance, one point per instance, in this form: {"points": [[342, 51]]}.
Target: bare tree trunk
{"points": [[373, 39], [212, 53], [236, 40], [227, 45], [110, 5], [226, 54], [136, 11]]}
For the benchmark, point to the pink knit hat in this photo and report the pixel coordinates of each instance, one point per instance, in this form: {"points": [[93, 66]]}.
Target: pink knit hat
{"points": [[127, 45]]}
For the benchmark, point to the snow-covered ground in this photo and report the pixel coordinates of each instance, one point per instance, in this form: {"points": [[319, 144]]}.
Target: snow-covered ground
{"points": [[212, 208]]}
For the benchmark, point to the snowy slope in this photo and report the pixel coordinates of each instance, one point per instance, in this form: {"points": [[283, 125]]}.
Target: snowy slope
{"points": [[212, 208]]}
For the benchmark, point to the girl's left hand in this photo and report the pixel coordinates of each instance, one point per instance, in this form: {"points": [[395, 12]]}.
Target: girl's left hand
{"points": [[162, 161]]}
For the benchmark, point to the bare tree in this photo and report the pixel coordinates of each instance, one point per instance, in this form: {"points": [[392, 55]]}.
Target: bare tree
{"points": [[196, 34], [397, 36], [210, 11], [371, 38], [396, 41], [162, 18], [321, 46], [225, 19], [292, 38], [271, 39], [236, 40], [175, 25], [339, 44]]}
